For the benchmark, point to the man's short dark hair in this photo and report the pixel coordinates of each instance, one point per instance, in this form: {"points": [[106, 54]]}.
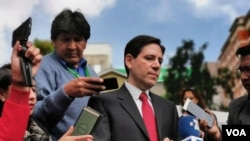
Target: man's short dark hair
{"points": [[135, 45], [243, 51], [70, 22]]}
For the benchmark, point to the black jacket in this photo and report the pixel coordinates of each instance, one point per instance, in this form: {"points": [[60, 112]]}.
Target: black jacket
{"points": [[239, 111]]}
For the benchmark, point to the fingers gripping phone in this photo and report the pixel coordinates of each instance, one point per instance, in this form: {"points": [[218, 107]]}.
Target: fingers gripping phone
{"points": [[198, 112], [21, 34]]}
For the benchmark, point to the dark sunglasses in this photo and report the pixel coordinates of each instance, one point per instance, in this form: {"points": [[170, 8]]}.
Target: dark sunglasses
{"points": [[244, 69]]}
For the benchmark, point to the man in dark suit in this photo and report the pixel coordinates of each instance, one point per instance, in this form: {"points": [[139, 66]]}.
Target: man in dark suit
{"points": [[239, 108], [123, 118]]}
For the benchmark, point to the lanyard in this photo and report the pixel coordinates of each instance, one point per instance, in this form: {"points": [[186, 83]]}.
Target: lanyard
{"points": [[76, 74]]}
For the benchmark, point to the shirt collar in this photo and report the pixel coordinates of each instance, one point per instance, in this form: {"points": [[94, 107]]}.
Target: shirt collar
{"points": [[134, 91]]}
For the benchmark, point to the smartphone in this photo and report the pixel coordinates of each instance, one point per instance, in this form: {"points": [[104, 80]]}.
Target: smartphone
{"points": [[22, 32], [86, 121], [198, 112], [110, 83]]}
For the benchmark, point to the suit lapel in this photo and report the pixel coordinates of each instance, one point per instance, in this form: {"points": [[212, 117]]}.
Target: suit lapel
{"points": [[130, 107]]}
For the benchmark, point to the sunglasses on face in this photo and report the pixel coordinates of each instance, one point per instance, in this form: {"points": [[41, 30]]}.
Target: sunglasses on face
{"points": [[244, 69]]}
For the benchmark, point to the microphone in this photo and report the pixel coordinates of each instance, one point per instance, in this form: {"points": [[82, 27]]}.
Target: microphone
{"points": [[189, 129]]}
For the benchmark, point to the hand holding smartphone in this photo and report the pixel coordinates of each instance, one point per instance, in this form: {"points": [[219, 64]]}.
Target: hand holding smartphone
{"points": [[21, 33], [198, 112], [109, 83]]}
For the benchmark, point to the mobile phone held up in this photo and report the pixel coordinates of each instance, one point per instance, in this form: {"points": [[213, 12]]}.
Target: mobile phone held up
{"points": [[110, 83], [21, 33], [198, 112]]}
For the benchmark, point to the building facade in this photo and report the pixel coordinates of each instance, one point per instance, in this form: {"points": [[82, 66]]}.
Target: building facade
{"points": [[99, 56], [238, 37]]}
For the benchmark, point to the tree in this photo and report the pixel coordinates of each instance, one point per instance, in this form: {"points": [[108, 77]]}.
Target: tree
{"points": [[188, 69], [227, 79], [45, 46]]}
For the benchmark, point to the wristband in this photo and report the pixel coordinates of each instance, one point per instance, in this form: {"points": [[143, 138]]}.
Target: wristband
{"points": [[20, 83]]}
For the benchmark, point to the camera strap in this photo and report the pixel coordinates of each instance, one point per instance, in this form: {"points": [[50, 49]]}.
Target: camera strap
{"points": [[76, 74]]}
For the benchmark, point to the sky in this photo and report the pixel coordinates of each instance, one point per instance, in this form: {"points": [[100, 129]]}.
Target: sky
{"points": [[117, 21]]}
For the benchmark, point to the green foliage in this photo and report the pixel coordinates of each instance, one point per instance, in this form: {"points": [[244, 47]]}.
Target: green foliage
{"points": [[226, 79], [187, 69], [45, 46]]}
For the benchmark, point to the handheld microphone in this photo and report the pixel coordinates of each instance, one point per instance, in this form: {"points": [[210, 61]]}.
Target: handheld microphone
{"points": [[189, 129]]}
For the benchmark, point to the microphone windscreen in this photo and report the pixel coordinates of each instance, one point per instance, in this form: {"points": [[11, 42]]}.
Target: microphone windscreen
{"points": [[188, 126]]}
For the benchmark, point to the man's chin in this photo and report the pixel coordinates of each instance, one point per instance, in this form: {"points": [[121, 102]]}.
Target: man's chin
{"points": [[151, 83], [72, 61]]}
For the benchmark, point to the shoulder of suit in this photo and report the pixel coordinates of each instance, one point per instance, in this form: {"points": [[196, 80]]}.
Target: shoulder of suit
{"points": [[161, 98], [237, 102], [155, 95], [110, 93]]}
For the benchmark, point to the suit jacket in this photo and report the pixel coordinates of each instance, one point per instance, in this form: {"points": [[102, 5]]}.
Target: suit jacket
{"points": [[122, 120], [238, 111]]}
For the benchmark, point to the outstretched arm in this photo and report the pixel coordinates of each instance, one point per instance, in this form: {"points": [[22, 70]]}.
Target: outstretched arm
{"points": [[16, 110]]}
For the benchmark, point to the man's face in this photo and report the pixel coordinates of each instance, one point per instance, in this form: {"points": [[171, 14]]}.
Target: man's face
{"points": [[145, 68], [245, 72], [70, 47]]}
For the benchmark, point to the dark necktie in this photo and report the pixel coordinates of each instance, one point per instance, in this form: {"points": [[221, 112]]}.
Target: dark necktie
{"points": [[148, 118]]}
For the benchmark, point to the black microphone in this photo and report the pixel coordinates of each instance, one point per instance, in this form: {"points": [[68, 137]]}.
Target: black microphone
{"points": [[189, 128]]}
